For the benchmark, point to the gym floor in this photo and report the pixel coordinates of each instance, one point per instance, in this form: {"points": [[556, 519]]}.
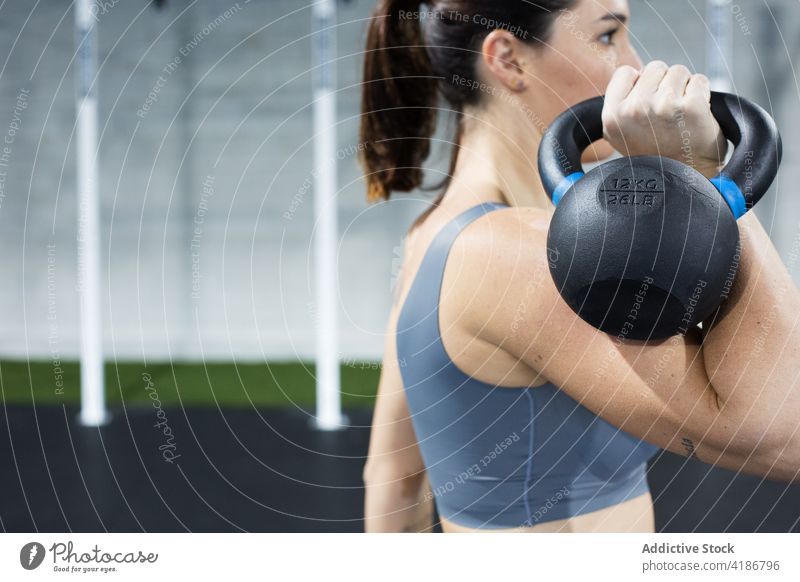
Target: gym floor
{"points": [[266, 470]]}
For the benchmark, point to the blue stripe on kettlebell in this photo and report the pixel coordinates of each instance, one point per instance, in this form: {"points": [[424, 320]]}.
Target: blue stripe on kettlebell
{"points": [[565, 185], [731, 193]]}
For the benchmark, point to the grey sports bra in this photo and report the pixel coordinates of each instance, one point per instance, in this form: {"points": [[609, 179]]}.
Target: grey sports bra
{"points": [[500, 457]]}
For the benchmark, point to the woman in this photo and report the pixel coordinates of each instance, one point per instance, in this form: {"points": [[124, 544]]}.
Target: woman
{"points": [[496, 402]]}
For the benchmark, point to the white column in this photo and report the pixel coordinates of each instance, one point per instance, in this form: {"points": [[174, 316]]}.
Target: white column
{"points": [[328, 410], [93, 410], [719, 44]]}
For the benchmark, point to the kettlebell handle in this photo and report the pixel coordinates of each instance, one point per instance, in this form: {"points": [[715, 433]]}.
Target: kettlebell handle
{"points": [[742, 182]]}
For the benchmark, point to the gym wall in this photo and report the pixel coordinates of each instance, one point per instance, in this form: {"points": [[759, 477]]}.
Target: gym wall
{"points": [[206, 172]]}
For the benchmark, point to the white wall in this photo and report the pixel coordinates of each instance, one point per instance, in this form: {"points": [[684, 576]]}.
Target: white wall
{"points": [[237, 108]]}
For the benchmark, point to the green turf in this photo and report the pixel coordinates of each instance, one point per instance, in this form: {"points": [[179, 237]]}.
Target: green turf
{"points": [[225, 383]]}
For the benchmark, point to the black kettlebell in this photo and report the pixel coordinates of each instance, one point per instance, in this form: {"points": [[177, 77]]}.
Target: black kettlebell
{"points": [[647, 247]]}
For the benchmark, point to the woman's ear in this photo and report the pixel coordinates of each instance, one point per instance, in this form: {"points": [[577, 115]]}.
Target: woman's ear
{"points": [[502, 56]]}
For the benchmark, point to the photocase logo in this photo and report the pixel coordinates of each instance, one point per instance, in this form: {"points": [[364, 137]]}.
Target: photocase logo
{"points": [[31, 555]]}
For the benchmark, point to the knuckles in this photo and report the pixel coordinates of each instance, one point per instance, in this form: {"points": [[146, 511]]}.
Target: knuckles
{"points": [[644, 116], [656, 65], [683, 70]]}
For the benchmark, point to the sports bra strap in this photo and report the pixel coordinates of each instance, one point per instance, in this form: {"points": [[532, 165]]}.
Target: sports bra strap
{"points": [[431, 272], [422, 303]]}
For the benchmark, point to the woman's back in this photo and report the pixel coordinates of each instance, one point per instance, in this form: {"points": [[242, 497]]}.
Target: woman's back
{"points": [[499, 456], [704, 394]]}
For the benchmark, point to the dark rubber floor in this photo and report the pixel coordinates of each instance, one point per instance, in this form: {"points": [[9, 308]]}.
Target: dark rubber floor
{"points": [[268, 471]]}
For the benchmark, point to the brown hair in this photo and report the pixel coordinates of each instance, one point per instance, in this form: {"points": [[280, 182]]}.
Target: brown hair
{"points": [[408, 65]]}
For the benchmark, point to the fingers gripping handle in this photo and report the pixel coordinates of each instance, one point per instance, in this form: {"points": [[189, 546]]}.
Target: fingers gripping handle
{"points": [[742, 182]]}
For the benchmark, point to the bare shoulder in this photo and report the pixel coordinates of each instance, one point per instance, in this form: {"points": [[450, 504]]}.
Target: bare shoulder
{"points": [[504, 244], [505, 291], [502, 275], [502, 236]]}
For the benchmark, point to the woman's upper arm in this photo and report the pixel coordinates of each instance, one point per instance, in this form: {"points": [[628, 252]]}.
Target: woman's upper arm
{"points": [[656, 391], [393, 450]]}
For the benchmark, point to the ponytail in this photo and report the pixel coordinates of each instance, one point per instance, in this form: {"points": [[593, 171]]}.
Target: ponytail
{"points": [[405, 71], [398, 104]]}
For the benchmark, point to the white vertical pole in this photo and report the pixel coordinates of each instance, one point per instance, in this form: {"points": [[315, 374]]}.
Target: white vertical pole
{"points": [[719, 44], [93, 411], [328, 410]]}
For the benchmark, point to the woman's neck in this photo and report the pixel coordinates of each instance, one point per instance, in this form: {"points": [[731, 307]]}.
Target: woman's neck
{"points": [[497, 159]]}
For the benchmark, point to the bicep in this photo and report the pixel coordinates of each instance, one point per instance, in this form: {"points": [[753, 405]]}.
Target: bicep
{"points": [[656, 391], [659, 393]]}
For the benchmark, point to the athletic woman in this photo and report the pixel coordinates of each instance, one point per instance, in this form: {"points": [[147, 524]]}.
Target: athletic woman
{"points": [[496, 402]]}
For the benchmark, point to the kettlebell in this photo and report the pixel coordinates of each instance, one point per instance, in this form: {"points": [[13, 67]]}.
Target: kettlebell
{"points": [[646, 247]]}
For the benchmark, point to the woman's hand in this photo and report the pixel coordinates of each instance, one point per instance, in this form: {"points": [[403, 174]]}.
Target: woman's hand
{"points": [[664, 111]]}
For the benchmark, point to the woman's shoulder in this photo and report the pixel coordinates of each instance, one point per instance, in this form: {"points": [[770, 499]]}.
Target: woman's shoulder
{"points": [[491, 248], [502, 237], [502, 260]]}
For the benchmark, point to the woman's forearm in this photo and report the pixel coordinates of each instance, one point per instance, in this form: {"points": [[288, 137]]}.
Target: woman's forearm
{"points": [[751, 347], [398, 505]]}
